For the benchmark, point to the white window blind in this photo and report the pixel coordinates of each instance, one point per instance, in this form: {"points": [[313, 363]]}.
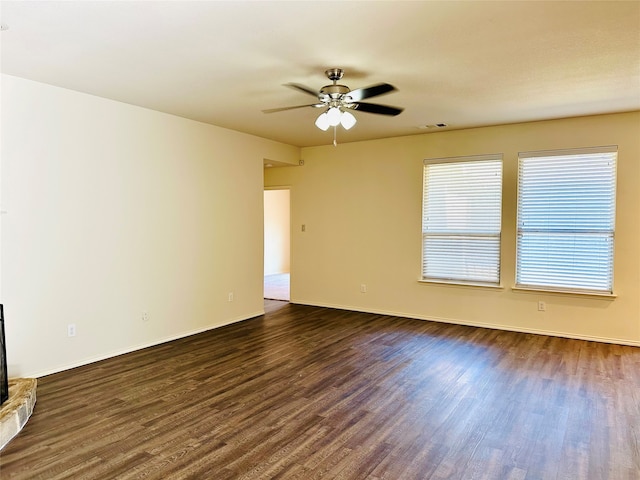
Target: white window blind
{"points": [[461, 219], [566, 218]]}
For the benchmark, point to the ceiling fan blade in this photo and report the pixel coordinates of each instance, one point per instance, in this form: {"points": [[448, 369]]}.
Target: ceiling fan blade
{"points": [[302, 88], [370, 91], [272, 110], [375, 108]]}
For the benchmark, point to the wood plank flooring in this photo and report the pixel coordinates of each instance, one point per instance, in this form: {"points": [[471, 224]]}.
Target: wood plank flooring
{"points": [[308, 393]]}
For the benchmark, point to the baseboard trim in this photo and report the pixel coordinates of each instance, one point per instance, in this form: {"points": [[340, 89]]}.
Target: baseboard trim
{"points": [[549, 333], [142, 346]]}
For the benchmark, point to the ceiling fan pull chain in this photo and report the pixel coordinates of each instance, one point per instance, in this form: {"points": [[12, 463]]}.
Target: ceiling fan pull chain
{"points": [[335, 134]]}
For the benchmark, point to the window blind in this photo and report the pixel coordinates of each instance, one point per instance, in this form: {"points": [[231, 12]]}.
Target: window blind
{"points": [[566, 217], [461, 219]]}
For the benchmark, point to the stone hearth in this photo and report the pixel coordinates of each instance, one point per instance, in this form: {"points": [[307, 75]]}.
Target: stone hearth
{"points": [[15, 412]]}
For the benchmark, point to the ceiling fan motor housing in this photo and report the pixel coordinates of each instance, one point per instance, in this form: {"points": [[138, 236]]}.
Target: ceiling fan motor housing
{"points": [[334, 91]]}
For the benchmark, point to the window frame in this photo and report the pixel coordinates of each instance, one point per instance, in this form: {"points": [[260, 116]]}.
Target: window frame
{"points": [[454, 279], [553, 283]]}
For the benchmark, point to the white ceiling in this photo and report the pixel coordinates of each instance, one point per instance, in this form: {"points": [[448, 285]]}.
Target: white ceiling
{"points": [[463, 63]]}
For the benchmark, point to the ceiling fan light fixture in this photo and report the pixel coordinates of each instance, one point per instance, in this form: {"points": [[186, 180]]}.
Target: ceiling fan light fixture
{"points": [[322, 122], [347, 120]]}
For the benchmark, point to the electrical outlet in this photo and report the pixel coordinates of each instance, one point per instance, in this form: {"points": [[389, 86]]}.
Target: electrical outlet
{"points": [[363, 288], [145, 316], [71, 330], [231, 296], [542, 306]]}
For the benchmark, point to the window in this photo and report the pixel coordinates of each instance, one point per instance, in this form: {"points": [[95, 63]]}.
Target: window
{"points": [[461, 219], [566, 215]]}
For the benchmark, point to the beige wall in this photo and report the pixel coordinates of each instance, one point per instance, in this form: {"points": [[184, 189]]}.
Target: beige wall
{"points": [[114, 210], [276, 231], [361, 204]]}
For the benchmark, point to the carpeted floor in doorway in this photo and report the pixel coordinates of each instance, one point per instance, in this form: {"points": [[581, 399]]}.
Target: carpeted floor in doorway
{"points": [[276, 286]]}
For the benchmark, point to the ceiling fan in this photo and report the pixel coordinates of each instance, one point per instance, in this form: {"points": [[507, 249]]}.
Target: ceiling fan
{"points": [[337, 100]]}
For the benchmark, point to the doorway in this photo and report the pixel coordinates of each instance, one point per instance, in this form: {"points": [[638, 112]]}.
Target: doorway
{"points": [[277, 244]]}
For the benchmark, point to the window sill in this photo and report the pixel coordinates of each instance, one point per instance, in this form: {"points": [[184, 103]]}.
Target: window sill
{"points": [[610, 296], [461, 284]]}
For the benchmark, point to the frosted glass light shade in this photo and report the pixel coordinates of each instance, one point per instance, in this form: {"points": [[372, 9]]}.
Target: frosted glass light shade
{"points": [[322, 122], [348, 120], [333, 115]]}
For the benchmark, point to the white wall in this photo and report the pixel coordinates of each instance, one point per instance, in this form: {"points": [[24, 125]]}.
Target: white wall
{"points": [[114, 210], [276, 231], [361, 204]]}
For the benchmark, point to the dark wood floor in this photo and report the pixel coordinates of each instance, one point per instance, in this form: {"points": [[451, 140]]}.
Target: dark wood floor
{"points": [[308, 393]]}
